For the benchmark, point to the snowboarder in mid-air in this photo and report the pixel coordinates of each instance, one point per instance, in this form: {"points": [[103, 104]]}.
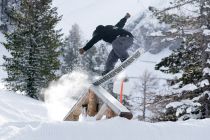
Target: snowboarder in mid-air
{"points": [[120, 39]]}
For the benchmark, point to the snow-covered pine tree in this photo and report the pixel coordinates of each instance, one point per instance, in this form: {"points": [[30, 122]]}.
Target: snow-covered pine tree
{"points": [[33, 44], [185, 60], [192, 57]]}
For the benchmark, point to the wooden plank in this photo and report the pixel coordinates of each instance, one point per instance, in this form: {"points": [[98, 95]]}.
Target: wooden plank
{"points": [[101, 112], [75, 111], [114, 104]]}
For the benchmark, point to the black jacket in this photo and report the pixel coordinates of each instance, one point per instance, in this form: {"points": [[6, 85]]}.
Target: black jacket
{"points": [[108, 33]]}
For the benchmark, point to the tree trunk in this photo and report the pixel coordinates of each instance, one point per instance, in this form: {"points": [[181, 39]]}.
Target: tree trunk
{"points": [[144, 100]]}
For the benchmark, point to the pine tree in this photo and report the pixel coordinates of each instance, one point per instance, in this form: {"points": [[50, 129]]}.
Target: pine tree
{"points": [[33, 45], [71, 56], [192, 59]]}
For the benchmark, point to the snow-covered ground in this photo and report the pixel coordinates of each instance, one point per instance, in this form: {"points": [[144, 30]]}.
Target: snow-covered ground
{"points": [[113, 129], [19, 108], [22, 118]]}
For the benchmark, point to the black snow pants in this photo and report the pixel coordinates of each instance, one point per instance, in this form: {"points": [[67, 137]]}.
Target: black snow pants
{"points": [[119, 51]]}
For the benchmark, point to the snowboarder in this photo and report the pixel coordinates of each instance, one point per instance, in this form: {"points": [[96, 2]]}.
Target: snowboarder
{"points": [[120, 39]]}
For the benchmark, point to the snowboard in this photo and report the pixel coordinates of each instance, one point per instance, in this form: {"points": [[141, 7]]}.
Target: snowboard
{"points": [[118, 69]]}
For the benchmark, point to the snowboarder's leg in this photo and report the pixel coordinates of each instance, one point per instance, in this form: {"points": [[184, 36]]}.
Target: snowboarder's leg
{"points": [[111, 61], [121, 45]]}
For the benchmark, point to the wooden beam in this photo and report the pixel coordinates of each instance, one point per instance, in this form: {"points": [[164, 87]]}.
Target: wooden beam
{"points": [[111, 102], [101, 112], [73, 114], [92, 104]]}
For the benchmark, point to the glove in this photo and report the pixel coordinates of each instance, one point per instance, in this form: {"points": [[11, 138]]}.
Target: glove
{"points": [[127, 15], [81, 51]]}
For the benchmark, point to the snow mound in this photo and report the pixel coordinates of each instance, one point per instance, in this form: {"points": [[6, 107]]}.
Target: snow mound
{"points": [[113, 129], [16, 108]]}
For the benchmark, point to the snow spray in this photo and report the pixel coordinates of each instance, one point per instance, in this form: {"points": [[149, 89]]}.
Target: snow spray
{"points": [[62, 94]]}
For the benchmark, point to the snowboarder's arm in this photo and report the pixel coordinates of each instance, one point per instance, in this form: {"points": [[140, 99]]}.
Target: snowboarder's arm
{"points": [[122, 22], [94, 40]]}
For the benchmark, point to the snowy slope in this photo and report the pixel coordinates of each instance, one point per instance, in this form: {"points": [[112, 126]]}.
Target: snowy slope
{"points": [[23, 118], [19, 108], [113, 129]]}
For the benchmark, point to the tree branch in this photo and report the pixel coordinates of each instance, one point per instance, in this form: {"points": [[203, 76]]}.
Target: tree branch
{"points": [[176, 6]]}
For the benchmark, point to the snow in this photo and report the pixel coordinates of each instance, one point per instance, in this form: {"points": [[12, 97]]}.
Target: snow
{"points": [[158, 33], [206, 32], [208, 61], [204, 83], [19, 108], [23, 118], [188, 87], [208, 48], [183, 102], [173, 30], [186, 107], [206, 71], [113, 129], [62, 94], [167, 39]]}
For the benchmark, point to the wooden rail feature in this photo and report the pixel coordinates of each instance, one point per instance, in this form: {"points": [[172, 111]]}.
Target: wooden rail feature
{"points": [[110, 107]]}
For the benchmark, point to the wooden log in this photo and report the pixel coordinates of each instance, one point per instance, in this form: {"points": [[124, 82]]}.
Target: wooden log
{"points": [[101, 112], [92, 104]]}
